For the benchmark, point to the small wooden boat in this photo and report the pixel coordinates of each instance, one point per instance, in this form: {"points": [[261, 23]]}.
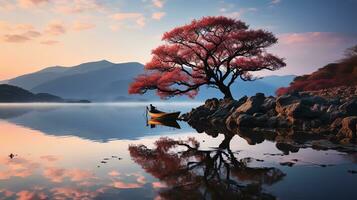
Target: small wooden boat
{"points": [[169, 123], [163, 115]]}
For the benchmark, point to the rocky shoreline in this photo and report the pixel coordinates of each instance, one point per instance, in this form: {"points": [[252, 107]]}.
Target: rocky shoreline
{"points": [[329, 120]]}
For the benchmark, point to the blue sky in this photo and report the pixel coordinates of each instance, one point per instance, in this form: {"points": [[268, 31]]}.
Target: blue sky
{"points": [[38, 33]]}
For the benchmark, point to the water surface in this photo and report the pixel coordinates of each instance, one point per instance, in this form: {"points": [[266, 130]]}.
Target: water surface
{"points": [[79, 151]]}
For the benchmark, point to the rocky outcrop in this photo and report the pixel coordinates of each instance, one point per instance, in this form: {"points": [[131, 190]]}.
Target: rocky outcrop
{"points": [[300, 113], [348, 129]]}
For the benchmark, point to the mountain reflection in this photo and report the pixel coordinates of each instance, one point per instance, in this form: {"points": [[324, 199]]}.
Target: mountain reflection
{"points": [[187, 172], [95, 122]]}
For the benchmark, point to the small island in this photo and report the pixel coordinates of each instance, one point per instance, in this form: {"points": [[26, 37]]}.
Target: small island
{"points": [[14, 94]]}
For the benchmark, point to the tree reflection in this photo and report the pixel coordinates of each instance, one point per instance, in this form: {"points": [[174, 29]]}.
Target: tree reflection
{"points": [[192, 173]]}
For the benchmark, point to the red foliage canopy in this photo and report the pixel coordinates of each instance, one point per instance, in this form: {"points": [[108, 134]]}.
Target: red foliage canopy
{"points": [[212, 51]]}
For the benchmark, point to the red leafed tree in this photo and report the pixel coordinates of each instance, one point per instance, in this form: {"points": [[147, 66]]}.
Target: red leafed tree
{"points": [[212, 51]]}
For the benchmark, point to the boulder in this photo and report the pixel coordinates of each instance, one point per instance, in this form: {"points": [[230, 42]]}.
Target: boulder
{"points": [[348, 129], [269, 104], [351, 107], [252, 105], [283, 101], [311, 100], [245, 120], [211, 104], [300, 111]]}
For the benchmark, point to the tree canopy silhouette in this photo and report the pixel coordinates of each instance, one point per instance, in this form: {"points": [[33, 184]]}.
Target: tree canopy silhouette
{"points": [[212, 51]]}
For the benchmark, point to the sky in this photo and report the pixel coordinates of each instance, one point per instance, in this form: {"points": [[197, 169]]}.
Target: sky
{"points": [[35, 34]]}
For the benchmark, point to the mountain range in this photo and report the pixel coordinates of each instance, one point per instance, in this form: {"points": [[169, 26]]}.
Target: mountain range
{"points": [[107, 81]]}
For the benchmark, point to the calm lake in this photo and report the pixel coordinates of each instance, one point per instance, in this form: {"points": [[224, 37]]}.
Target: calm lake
{"points": [[95, 151]]}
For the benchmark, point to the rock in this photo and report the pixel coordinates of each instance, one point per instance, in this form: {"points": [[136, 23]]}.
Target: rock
{"points": [[336, 124], [311, 100], [348, 129], [245, 120], [211, 104], [283, 101], [268, 104], [252, 105], [300, 111], [351, 107], [286, 148]]}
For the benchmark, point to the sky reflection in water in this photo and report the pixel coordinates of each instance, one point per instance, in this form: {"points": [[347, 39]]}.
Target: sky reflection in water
{"points": [[81, 151]]}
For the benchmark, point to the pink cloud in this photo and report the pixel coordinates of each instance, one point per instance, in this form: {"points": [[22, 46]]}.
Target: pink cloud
{"points": [[138, 18], [6, 193], [76, 175], [15, 38], [25, 195], [55, 28], [114, 173], [124, 16], [50, 158], [122, 185], [158, 15], [141, 179], [31, 3], [158, 185], [80, 26], [7, 5], [306, 52], [17, 168], [77, 6], [49, 42], [14, 27], [158, 3], [71, 193]]}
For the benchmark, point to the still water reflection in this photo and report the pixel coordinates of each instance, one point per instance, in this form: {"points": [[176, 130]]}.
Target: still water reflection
{"points": [[106, 151]]}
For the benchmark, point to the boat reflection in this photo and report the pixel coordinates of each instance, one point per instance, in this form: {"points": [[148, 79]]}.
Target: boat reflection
{"points": [[169, 123], [187, 172]]}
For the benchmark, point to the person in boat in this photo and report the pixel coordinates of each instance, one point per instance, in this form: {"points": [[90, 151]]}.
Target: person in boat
{"points": [[152, 108]]}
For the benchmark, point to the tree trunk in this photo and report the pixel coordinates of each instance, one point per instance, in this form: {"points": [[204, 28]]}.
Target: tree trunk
{"points": [[226, 91]]}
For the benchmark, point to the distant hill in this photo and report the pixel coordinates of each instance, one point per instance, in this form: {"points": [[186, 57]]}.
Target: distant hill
{"points": [[106, 81], [343, 73], [29, 81], [9, 93]]}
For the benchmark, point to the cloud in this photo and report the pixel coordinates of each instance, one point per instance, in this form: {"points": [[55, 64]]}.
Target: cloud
{"points": [[71, 193], [237, 14], [57, 175], [158, 185], [19, 167], [275, 1], [122, 185], [158, 3], [114, 27], [124, 16], [308, 37], [306, 52], [31, 3], [14, 38], [7, 5], [49, 42], [80, 26], [55, 28], [49, 158], [140, 21], [158, 15], [6, 26], [138, 18], [114, 173], [77, 6]]}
